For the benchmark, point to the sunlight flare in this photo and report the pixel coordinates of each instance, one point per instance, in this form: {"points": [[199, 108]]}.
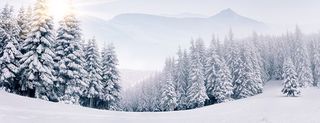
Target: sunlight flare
{"points": [[58, 8]]}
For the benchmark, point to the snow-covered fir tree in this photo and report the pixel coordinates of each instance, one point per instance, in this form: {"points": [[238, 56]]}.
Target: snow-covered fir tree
{"points": [[93, 67], [201, 50], [9, 55], [70, 61], [110, 78], [249, 82], [37, 62], [168, 100], [232, 56], [290, 83], [278, 60], [23, 20], [302, 61], [316, 63], [262, 64], [222, 88], [212, 65], [182, 79], [196, 94]]}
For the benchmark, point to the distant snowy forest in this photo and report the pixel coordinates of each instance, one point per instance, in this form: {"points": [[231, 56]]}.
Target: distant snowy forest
{"points": [[228, 70], [39, 61]]}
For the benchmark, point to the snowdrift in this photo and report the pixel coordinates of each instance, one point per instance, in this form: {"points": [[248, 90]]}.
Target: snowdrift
{"points": [[269, 107]]}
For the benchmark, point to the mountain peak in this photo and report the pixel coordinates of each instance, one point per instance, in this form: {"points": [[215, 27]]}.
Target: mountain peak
{"points": [[227, 12]]}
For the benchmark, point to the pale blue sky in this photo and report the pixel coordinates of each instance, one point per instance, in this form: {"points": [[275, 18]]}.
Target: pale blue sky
{"points": [[270, 11]]}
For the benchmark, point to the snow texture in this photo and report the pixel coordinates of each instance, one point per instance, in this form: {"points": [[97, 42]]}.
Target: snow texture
{"points": [[269, 107]]}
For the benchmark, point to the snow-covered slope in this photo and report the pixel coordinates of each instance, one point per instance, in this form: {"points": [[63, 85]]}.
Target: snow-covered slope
{"points": [[269, 107]]}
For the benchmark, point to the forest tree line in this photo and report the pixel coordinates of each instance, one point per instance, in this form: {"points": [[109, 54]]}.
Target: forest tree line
{"points": [[39, 61], [228, 70]]}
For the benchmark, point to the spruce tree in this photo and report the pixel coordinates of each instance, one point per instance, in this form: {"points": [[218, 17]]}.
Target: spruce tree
{"points": [[93, 67], [9, 56], [249, 82], [182, 79], [37, 62], [213, 63], [316, 63], [201, 50], [278, 61], [222, 88], [303, 67], [23, 20], [110, 78], [168, 100], [233, 57], [70, 61], [290, 83], [196, 91], [302, 60]]}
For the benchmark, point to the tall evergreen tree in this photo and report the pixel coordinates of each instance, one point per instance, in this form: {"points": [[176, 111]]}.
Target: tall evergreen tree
{"points": [[290, 83], [233, 57], [212, 65], [23, 20], [182, 79], [278, 60], [70, 61], [316, 63], [223, 89], [249, 81], [110, 78], [201, 50], [9, 54], [196, 91], [93, 67], [37, 62], [302, 61], [168, 100]]}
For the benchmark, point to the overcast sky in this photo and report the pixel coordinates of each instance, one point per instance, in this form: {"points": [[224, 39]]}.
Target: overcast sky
{"points": [[305, 13], [269, 11]]}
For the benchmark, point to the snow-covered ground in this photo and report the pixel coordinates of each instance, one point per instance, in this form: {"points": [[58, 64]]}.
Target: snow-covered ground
{"points": [[269, 107]]}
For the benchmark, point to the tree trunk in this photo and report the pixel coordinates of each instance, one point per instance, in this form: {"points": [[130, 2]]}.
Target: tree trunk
{"points": [[91, 102]]}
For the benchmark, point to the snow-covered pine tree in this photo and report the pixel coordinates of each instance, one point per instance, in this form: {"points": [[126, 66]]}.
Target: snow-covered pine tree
{"points": [[93, 67], [201, 49], [316, 63], [223, 89], [182, 79], [69, 60], [110, 78], [290, 83], [261, 62], [23, 20], [211, 68], [302, 61], [196, 94], [37, 62], [249, 82], [219, 46], [6, 22], [9, 56], [278, 60], [232, 56], [178, 78], [168, 99]]}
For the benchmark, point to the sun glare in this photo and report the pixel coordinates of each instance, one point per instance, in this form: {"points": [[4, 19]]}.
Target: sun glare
{"points": [[58, 8]]}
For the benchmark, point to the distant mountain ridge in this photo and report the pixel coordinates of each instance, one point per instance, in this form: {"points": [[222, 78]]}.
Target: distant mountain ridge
{"points": [[143, 41]]}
